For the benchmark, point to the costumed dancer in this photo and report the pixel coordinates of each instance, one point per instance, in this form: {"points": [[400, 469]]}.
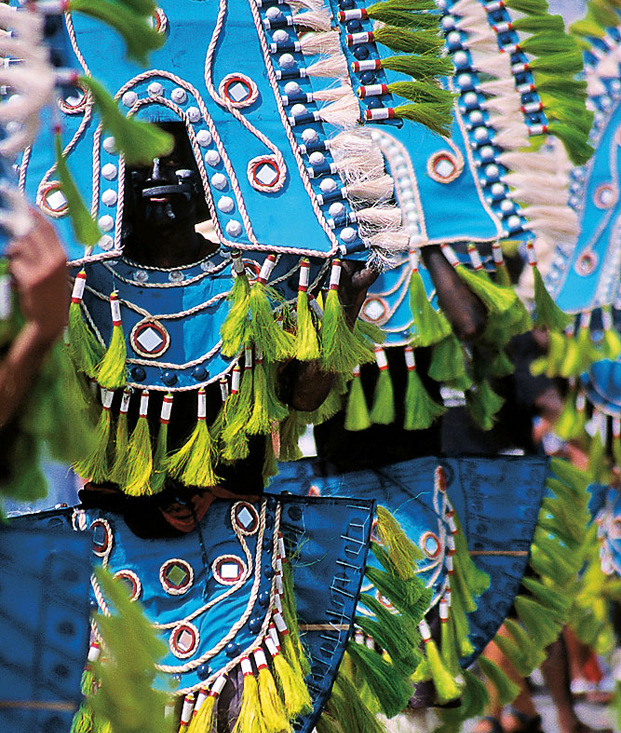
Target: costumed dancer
{"points": [[195, 354]]}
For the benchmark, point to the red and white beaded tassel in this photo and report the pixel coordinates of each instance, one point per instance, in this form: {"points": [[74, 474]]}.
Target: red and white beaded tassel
{"points": [[86, 352], [446, 687], [447, 638], [139, 454], [250, 719], [356, 411], [307, 342], [158, 478], [186, 711], [275, 343], [549, 315], [272, 709], [111, 372], [235, 331], [95, 466], [118, 475], [203, 714], [383, 410]]}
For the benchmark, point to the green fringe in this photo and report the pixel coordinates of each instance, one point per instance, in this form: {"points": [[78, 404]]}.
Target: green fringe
{"points": [[139, 461], [409, 42], [542, 628], [357, 413], [383, 411], [529, 7], [403, 553], [563, 63], [291, 430], [158, 478], [447, 363], [422, 92], [496, 298], [270, 464], [484, 404], [419, 67], [506, 689], [275, 343], [236, 411], [134, 26], [573, 139], [549, 315], [235, 330], [139, 141], [193, 463], [307, 342], [420, 409], [539, 23], [95, 466], [118, 474], [84, 228], [267, 408], [548, 43], [436, 118], [86, 352], [402, 18], [342, 350], [347, 706], [430, 326]]}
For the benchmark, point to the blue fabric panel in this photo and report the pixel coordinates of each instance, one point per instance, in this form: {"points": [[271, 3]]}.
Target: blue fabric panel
{"points": [[602, 384], [44, 609]]}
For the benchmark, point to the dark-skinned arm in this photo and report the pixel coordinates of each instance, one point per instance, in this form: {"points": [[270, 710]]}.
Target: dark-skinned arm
{"points": [[39, 269], [303, 385], [465, 312]]}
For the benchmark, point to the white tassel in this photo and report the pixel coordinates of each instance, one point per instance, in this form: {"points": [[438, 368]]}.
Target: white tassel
{"points": [[351, 142], [506, 106], [307, 4], [513, 138], [332, 67], [500, 87], [378, 189], [483, 40], [465, 7], [532, 162], [551, 226], [391, 241], [314, 44], [317, 20], [472, 21], [608, 67], [331, 94], [595, 86], [381, 217], [496, 65], [344, 113], [528, 190]]}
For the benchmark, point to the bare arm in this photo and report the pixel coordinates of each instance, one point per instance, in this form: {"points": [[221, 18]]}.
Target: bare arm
{"points": [[303, 385], [465, 312], [38, 267]]}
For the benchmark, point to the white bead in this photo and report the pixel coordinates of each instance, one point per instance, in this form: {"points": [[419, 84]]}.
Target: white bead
{"points": [[480, 134], [498, 189], [287, 61], [129, 99], [317, 158], [106, 242], [273, 13], [487, 153], [106, 223], [327, 185], [109, 171], [203, 138], [492, 171], [471, 99], [292, 87], [507, 206], [109, 197], [155, 89], [460, 58], [348, 234], [514, 222], [476, 117], [298, 109], [226, 204], [212, 157], [194, 114], [109, 145], [309, 135], [219, 181], [280, 36], [233, 228], [179, 95], [336, 209]]}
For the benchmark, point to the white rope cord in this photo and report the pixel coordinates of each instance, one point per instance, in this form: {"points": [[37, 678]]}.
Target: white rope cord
{"points": [[23, 167], [208, 73], [289, 132], [264, 630], [74, 43], [187, 365], [163, 316], [180, 284], [232, 589], [197, 153], [132, 263], [241, 621]]}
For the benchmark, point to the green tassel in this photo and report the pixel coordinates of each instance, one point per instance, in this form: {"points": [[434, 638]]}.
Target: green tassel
{"points": [[420, 409], [292, 687], [549, 315], [531, 654], [562, 86], [447, 363], [394, 633], [84, 228], [476, 580], [403, 553], [542, 628], [405, 5], [495, 298], [342, 350], [369, 332], [193, 463], [306, 342], [401, 18], [408, 596], [588, 27], [572, 421], [291, 430], [383, 410], [418, 67], [574, 140], [270, 464], [547, 44], [448, 643], [462, 627], [86, 352], [407, 41], [391, 689], [140, 455], [158, 479], [484, 404], [443, 681], [118, 475], [289, 612], [275, 343], [506, 689], [529, 7], [203, 720], [563, 63], [272, 709], [250, 719], [611, 341], [95, 466], [267, 408], [430, 326], [539, 23], [357, 412], [556, 601], [235, 331], [111, 371], [236, 410], [435, 118], [422, 92], [139, 141], [347, 706], [139, 35]]}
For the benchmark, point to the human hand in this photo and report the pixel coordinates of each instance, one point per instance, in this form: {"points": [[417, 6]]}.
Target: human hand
{"points": [[355, 280], [39, 268]]}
